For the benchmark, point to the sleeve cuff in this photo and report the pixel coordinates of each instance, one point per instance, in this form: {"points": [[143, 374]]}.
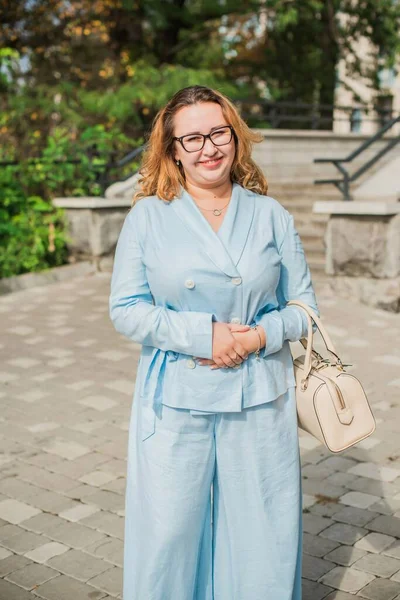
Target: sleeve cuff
{"points": [[200, 326], [274, 331]]}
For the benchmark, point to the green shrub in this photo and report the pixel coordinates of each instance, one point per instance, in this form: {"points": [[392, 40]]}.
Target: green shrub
{"points": [[32, 231]]}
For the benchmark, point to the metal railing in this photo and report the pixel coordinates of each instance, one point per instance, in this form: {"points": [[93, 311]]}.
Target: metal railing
{"points": [[105, 179], [303, 115], [343, 184], [101, 171]]}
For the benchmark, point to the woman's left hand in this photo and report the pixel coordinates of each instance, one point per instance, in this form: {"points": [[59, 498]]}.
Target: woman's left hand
{"points": [[247, 337]]}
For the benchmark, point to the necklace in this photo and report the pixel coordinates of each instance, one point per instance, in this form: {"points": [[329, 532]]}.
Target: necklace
{"points": [[216, 211]]}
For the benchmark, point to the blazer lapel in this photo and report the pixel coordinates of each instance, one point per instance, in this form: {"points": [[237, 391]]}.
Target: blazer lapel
{"points": [[235, 228], [225, 247]]}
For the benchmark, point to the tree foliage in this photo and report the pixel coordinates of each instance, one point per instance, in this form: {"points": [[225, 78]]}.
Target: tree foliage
{"points": [[290, 48], [294, 47], [84, 78]]}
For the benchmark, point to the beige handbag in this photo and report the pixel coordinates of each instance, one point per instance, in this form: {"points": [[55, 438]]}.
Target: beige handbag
{"points": [[331, 403]]}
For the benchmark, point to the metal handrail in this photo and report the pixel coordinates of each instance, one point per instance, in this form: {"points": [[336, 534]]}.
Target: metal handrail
{"points": [[104, 179], [306, 115], [343, 185], [300, 104]]}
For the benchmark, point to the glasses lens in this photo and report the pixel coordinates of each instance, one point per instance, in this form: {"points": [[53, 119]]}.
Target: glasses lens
{"points": [[219, 137], [222, 136], [192, 143]]}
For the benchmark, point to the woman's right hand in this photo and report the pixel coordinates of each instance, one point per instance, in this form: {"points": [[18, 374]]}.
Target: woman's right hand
{"points": [[227, 351]]}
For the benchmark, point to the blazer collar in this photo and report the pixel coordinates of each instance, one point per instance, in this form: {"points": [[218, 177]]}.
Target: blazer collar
{"points": [[225, 247]]}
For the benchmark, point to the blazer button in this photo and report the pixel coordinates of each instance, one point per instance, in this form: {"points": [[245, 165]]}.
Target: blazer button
{"points": [[189, 283], [190, 363], [235, 320], [236, 280]]}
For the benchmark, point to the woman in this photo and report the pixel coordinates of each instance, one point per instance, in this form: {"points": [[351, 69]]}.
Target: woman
{"points": [[204, 267]]}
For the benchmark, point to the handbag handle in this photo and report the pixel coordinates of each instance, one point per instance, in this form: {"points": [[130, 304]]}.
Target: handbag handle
{"points": [[324, 334], [309, 348]]}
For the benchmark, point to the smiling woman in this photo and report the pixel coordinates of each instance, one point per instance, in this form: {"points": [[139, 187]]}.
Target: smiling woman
{"points": [[205, 265], [206, 158], [210, 159]]}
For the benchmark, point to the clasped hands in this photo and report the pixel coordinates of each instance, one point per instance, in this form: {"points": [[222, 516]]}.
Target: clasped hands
{"points": [[232, 344]]}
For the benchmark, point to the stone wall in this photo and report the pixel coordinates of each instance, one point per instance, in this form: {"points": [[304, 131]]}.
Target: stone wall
{"points": [[363, 245], [94, 227], [363, 251]]}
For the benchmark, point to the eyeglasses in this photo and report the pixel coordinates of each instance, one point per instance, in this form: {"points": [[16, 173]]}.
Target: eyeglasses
{"points": [[195, 142]]}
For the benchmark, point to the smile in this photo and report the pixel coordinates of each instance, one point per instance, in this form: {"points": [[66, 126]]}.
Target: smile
{"points": [[212, 163]]}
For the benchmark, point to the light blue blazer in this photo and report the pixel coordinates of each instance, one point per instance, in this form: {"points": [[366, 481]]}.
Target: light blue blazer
{"points": [[173, 276]]}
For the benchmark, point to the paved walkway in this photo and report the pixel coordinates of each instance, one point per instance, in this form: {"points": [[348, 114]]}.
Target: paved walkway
{"points": [[66, 383]]}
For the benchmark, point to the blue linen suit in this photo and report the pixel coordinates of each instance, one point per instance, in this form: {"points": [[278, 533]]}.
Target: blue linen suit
{"points": [[193, 428]]}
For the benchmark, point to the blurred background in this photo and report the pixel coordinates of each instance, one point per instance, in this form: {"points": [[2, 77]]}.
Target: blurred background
{"points": [[81, 81]]}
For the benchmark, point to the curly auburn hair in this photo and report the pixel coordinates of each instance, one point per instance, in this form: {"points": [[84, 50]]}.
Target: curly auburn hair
{"points": [[160, 174]]}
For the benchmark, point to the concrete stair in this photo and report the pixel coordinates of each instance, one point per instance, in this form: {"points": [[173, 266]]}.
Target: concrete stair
{"points": [[287, 159], [298, 199]]}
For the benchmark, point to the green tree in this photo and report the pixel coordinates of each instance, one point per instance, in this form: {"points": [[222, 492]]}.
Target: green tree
{"points": [[89, 42], [295, 45], [89, 52]]}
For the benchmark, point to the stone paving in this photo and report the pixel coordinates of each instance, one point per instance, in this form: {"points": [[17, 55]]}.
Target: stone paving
{"points": [[66, 384]]}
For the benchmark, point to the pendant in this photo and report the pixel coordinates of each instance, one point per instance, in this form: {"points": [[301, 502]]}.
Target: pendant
{"points": [[217, 212]]}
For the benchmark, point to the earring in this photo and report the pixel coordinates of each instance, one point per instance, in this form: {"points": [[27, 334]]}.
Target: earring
{"points": [[178, 162]]}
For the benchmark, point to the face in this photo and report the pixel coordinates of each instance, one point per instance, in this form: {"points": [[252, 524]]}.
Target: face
{"points": [[211, 165]]}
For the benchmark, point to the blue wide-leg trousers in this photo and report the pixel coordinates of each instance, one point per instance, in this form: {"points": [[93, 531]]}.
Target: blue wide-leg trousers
{"points": [[213, 504]]}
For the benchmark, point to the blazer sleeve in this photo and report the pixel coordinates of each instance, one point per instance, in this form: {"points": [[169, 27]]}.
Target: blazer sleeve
{"points": [[289, 322], [131, 303]]}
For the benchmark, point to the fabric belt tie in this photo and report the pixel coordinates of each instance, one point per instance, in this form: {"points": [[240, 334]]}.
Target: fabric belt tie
{"points": [[152, 387]]}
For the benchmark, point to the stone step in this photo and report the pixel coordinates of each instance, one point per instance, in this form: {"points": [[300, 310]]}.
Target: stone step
{"points": [[311, 239], [294, 199], [303, 184], [316, 192], [317, 266], [314, 252], [299, 205], [308, 224], [319, 218], [305, 222], [298, 199]]}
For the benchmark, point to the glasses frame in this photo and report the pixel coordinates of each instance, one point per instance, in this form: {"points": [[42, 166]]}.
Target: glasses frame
{"points": [[205, 137]]}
